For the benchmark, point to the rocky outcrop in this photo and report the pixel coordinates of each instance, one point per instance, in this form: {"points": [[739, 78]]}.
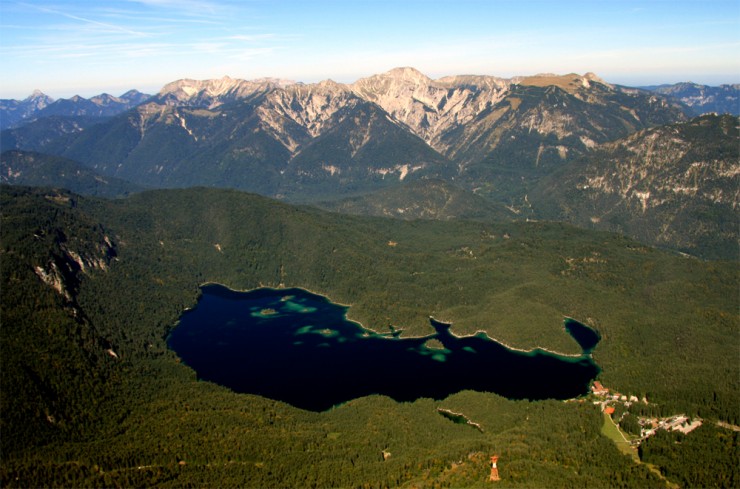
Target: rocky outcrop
{"points": [[675, 185]]}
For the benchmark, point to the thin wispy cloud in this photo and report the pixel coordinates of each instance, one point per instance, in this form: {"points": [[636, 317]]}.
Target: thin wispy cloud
{"points": [[252, 37], [198, 7], [104, 25]]}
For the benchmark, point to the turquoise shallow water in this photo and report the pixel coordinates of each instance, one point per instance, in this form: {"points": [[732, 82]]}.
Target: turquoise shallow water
{"points": [[298, 347]]}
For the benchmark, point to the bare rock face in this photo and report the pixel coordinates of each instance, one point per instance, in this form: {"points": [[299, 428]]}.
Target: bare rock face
{"points": [[431, 108], [315, 108], [215, 92]]}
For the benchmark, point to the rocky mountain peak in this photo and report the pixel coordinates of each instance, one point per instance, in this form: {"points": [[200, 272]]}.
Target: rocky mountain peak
{"points": [[590, 76], [37, 94], [210, 93], [408, 73], [38, 100], [105, 99], [427, 107], [134, 97], [311, 106], [331, 84], [394, 80]]}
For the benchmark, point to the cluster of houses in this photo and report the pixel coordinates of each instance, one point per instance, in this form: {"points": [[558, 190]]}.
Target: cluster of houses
{"points": [[678, 422], [600, 391], [649, 425]]}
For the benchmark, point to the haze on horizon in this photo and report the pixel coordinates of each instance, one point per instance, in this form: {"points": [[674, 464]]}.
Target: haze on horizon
{"points": [[68, 47]]}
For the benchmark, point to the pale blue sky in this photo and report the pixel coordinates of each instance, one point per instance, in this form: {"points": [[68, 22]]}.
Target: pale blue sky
{"points": [[86, 47]]}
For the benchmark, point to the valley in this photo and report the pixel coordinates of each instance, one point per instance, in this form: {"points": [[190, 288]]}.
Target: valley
{"points": [[558, 219]]}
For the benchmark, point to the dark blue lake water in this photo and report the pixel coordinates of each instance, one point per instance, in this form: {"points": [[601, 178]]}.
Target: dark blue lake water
{"points": [[298, 347], [586, 337]]}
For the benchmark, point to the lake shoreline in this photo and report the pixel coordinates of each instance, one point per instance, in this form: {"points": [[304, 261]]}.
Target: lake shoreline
{"points": [[532, 350]]}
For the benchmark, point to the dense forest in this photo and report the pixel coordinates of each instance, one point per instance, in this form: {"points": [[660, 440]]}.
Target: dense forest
{"points": [[92, 396]]}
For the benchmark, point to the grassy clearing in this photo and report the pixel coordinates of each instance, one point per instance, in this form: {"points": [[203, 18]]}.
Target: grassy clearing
{"points": [[612, 431]]}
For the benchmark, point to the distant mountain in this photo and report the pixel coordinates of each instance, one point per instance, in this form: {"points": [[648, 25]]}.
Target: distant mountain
{"points": [[422, 199], [103, 105], [702, 99], [279, 138], [676, 185], [40, 170], [37, 106], [14, 111]]}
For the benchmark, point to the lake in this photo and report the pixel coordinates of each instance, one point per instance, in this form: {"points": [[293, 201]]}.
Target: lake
{"points": [[298, 347]]}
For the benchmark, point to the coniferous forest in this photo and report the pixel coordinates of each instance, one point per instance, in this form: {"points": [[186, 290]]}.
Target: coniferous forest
{"points": [[93, 397]]}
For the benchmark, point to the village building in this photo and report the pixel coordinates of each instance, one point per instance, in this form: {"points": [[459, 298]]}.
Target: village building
{"points": [[598, 389]]}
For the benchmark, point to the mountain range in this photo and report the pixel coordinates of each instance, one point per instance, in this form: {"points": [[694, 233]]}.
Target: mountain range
{"points": [[279, 139], [38, 105], [513, 142], [702, 99]]}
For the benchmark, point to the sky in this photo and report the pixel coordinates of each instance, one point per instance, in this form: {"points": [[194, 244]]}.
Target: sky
{"points": [[85, 47]]}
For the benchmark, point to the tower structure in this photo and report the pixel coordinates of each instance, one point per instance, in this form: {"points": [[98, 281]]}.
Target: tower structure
{"points": [[494, 469]]}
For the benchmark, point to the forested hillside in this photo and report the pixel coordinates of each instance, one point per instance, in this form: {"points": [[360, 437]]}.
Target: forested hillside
{"points": [[38, 169], [92, 396]]}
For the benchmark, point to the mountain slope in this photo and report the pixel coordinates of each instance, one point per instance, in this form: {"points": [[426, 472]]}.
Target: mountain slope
{"points": [[538, 126], [36, 169], [676, 185], [166, 146], [421, 199], [365, 150], [48, 134], [491, 127]]}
